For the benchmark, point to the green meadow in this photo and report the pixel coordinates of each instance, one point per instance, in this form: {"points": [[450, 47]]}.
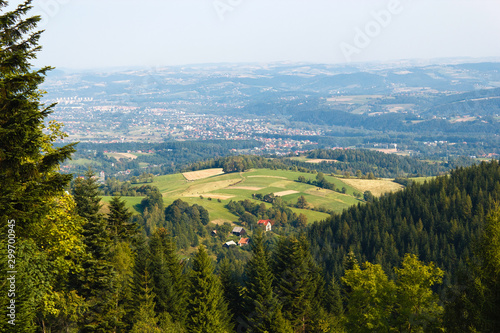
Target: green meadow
{"points": [[215, 192]]}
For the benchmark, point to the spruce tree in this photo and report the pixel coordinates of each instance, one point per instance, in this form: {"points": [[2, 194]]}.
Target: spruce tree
{"points": [[145, 318], [231, 286], [122, 258], [166, 271], [119, 220], [207, 310], [167, 325], [28, 161], [333, 298], [475, 302], [298, 284], [262, 307], [279, 324], [142, 264], [97, 281]]}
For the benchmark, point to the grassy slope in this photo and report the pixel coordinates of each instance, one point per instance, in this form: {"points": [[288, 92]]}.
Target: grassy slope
{"points": [[241, 186], [376, 186]]}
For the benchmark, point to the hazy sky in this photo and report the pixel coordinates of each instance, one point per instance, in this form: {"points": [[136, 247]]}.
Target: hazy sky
{"points": [[101, 33]]}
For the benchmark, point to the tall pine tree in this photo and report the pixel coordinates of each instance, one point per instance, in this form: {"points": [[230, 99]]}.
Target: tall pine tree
{"points": [[28, 161], [146, 319], [142, 267], [119, 220], [207, 309], [231, 286], [122, 257], [262, 306], [298, 284], [169, 282], [97, 282]]}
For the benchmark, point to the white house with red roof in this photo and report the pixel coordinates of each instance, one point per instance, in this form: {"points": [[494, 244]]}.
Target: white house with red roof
{"points": [[265, 224]]}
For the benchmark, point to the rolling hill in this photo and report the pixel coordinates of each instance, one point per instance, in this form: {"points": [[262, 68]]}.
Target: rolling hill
{"points": [[213, 190]]}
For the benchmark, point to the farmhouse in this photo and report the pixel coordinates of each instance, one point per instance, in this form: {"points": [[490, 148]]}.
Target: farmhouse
{"points": [[243, 241], [229, 244], [265, 224], [239, 231]]}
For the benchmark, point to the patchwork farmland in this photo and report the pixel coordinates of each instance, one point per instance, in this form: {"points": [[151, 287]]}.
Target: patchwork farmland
{"points": [[213, 189]]}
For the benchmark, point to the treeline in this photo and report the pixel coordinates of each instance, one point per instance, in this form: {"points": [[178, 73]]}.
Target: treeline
{"points": [[359, 162], [186, 223], [114, 187], [436, 220], [281, 215], [211, 146], [242, 163], [181, 153], [380, 164]]}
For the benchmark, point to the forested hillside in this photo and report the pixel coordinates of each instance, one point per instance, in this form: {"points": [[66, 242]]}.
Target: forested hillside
{"points": [[381, 164], [437, 221], [338, 161]]}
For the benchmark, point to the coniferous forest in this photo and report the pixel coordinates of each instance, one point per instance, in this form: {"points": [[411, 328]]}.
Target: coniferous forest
{"points": [[425, 259]]}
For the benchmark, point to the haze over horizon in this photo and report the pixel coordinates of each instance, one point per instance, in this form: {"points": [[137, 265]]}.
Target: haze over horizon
{"points": [[96, 34]]}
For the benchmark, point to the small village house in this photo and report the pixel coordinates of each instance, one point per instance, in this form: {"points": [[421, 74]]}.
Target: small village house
{"points": [[243, 241], [265, 224], [238, 231], [229, 244]]}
